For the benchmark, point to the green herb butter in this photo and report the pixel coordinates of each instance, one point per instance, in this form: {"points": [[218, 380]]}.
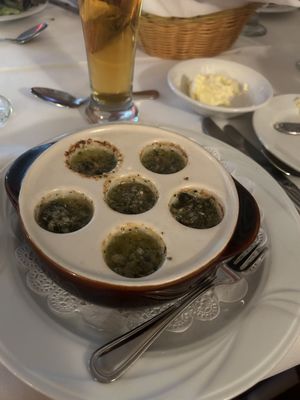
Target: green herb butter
{"points": [[163, 159], [93, 161], [196, 209], [134, 253], [64, 214], [131, 197]]}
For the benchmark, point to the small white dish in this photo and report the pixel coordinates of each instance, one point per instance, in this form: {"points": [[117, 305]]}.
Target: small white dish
{"points": [[279, 109], [258, 94]]}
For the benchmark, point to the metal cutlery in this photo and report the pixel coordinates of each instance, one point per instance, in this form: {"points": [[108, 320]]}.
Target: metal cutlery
{"points": [[65, 99], [289, 128], [243, 144], [232, 136], [111, 361], [28, 35], [281, 165]]}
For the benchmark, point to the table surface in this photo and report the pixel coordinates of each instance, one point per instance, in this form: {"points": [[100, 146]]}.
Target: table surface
{"points": [[57, 59]]}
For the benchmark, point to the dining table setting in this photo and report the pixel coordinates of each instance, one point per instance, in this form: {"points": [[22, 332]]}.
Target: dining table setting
{"points": [[198, 190]]}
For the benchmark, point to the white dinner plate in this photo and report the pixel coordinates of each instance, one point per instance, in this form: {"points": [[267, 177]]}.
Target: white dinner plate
{"points": [[224, 362], [27, 13], [285, 147]]}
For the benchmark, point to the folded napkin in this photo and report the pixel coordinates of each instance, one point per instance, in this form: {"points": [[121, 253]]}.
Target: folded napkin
{"points": [[191, 8]]}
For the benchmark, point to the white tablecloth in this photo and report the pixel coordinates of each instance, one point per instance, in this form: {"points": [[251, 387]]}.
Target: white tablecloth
{"points": [[57, 59]]}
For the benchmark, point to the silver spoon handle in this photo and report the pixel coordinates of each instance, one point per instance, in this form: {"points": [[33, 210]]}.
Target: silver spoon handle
{"points": [[110, 361], [7, 40], [150, 94]]}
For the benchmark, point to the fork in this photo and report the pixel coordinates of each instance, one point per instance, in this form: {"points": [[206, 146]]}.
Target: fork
{"points": [[112, 360]]}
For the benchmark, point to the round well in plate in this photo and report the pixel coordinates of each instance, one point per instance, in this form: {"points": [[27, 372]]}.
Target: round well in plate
{"points": [[92, 158], [134, 251], [163, 158], [64, 211], [196, 208], [131, 194]]}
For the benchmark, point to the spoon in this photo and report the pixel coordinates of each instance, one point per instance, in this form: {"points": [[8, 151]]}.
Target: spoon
{"points": [[64, 99], [27, 35], [289, 128]]}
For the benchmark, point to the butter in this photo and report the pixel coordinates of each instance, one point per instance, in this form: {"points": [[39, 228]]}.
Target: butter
{"points": [[215, 89]]}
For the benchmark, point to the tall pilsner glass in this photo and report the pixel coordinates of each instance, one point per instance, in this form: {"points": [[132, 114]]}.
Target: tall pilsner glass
{"points": [[110, 32]]}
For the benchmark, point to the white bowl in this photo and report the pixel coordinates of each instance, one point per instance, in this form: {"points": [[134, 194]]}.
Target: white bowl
{"points": [[258, 94]]}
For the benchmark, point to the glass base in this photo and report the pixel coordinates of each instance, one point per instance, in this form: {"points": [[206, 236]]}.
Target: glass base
{"points": [[254, 28], [97, 113], [5, 110]]}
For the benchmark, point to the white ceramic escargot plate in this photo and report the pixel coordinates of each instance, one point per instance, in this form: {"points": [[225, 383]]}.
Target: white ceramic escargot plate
{"points": [[79, 254]]}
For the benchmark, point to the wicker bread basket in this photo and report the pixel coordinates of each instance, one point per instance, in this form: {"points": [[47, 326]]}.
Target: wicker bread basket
{"points": [[201, 36]]}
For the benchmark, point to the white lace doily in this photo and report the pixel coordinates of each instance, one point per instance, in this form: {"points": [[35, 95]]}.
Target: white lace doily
{"points": [[206, 308]]}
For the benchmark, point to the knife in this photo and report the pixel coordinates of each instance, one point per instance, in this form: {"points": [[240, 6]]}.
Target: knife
{"points": [[232, 136]]}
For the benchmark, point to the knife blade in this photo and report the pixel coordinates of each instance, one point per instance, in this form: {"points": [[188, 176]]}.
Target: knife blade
{"points": [[212, 129], [232, 136]]}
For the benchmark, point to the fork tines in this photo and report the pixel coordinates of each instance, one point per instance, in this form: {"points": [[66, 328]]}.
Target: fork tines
{"points": [[255, 253]]}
